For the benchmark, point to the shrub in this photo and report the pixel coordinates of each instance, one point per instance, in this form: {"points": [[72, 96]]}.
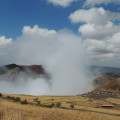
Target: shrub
{"points": [[71, 106], [58, 104], [24, 102], [0, 94], [36, 99], [52, 105], [48, 106], [10, 97], [90, 100], [17, 99], [42, 105], [38, 102]]}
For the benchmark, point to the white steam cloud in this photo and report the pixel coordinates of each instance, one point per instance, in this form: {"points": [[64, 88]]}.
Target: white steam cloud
{"points": [[61, 54]]}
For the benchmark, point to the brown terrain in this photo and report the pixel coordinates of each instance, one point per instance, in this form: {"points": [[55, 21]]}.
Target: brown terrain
{"points": [[106, 87]]}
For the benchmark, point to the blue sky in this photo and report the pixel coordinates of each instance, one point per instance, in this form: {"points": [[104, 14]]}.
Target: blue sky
{"points": [[18, 13]]}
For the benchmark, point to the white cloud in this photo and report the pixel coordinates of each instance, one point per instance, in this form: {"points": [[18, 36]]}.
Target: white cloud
{"points": [[5, 44], [94, 15], [93, 31], [63, 3], [105, 49], [38, 31], [100, 32], [97, 2]]}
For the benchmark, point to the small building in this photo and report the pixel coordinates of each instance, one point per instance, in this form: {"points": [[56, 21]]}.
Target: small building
{"points": [[107, 106]]}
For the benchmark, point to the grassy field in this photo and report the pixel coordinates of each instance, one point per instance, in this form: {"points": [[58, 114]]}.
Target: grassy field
{"points": [[82, 108]]}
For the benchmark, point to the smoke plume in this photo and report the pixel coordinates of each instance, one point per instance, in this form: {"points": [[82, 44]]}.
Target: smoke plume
{"points": [[62, 55]]}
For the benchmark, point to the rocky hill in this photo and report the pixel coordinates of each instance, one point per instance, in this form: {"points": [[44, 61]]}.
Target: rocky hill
{"points": [[104, 83], [107, 82], [105, 87], [12, 71]]}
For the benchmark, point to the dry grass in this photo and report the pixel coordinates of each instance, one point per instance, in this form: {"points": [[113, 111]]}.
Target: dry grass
{"points": [[15, 111], [116, 101]]}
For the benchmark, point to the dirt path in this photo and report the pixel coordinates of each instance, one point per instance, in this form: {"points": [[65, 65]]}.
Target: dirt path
{"points": [[83, 110]]}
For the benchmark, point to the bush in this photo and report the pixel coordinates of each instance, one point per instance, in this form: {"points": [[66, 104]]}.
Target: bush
{"points": [[42, 105], [52, 105], [10, 97], [24, 102], [36, 99], [58, 104], [71, 106], [38, 102], [17, 99], [90, 100], [0, 94], [48, 106]]}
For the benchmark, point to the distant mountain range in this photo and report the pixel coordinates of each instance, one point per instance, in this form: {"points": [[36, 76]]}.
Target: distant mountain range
{"points": [[111, 72]]}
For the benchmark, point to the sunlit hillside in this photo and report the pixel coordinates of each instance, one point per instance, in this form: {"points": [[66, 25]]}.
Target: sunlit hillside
{"points": [[69, 108]]}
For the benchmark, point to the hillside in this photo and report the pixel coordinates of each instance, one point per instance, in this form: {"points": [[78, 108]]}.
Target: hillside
{"points": [[71, 108], [12, 72], [105, 87]]}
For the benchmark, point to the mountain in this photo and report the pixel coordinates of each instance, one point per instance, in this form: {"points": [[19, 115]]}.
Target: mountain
{"points": [[111, 72], [105, 87], [12, 72], [106, 83]]}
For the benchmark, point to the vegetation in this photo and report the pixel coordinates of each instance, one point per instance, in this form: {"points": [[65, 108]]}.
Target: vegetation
{"points": [[0, 94], [38, 102], [52, 104], [84, 108], [35, 99], [11, 97], [71, 106], [90, 100], [58, 104], [17, 99], [24, 102], [47, 106]]}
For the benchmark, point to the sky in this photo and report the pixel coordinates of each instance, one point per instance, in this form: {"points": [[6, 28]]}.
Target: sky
{"points": [[95, 22]]}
